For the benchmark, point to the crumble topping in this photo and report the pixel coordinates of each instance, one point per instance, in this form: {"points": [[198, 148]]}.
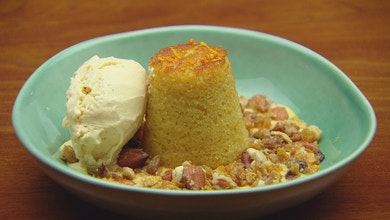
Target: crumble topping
{"points": [[282, 148]]}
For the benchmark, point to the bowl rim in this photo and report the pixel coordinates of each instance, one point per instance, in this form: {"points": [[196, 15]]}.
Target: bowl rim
{"points": [[49, 162]]}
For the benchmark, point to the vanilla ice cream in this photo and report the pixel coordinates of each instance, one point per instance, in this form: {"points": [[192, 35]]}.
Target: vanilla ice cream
{"points": [[105, 108]]}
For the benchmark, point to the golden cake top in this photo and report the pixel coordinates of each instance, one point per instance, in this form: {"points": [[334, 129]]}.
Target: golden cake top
{"points": [[190, 55]]}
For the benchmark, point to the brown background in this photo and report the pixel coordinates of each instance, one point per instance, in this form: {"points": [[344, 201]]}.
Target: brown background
{"points": [[353, 34]]}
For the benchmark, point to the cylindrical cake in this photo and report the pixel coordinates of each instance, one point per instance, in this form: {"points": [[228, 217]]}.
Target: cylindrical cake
{"points": [[193, 111]]}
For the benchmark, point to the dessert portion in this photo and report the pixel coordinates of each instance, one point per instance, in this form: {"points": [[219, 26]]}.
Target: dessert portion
{"points": [[193, 111], [104, 109], [186, 128]]}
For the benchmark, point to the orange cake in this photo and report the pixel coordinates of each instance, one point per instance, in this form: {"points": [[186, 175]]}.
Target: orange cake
{"points": [[193, 110]]}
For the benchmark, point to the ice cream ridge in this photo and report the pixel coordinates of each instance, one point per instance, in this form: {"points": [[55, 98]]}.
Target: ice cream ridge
{"points": [[193, 110], [104, 109]]}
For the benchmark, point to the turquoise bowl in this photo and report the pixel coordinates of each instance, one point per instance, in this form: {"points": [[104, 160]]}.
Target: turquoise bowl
{"points": [[284, 71]]}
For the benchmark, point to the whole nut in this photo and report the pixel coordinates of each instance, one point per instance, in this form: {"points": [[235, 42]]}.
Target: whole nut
{"points": [[132, 158], [193, 177]]}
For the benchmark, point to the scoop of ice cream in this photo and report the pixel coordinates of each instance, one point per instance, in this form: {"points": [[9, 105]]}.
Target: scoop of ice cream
{"points": [[105, 107]]}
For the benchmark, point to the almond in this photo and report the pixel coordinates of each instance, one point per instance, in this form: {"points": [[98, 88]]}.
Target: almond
{"points": [[193, 177], [132, 158]]}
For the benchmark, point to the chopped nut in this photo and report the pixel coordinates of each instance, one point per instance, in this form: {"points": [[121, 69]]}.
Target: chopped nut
{"points": [[256, 155], [280, 113], [193, 177], [311, 146], [223, 182], [68, 154], [246, 159], [258, 102], [167, 175], [177, 174], [99, 171], [283, 135], [153, 165], [128, 173], [132, 158]]}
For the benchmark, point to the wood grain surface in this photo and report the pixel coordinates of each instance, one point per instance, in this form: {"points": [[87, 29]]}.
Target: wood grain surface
{"points": [[353, 34]]}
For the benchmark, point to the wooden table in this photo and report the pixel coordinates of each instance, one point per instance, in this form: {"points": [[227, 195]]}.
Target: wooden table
{"points": [[353, 34]]}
